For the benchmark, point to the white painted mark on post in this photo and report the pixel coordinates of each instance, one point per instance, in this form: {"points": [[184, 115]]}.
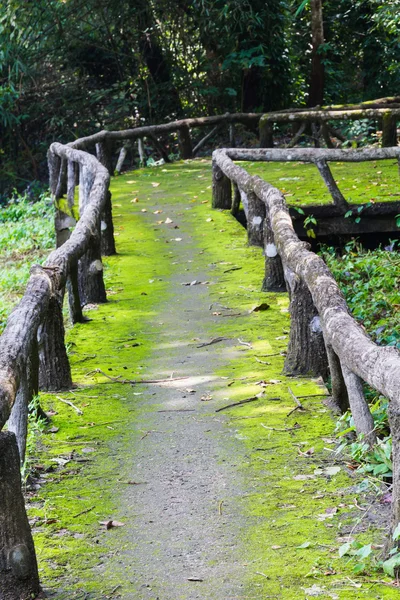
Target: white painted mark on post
{"points": [[103, 226], [256, 221], [270, 250], [315, 325]]}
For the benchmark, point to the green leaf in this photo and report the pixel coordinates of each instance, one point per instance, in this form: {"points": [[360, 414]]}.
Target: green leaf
{"points": [[344, 549], [359, 568], [305, 545], [301, 8], [364, 551], [390, 565], [396, 533]]}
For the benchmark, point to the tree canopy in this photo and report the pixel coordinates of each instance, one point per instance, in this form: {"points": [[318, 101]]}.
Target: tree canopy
{"points": [[68, 68]]}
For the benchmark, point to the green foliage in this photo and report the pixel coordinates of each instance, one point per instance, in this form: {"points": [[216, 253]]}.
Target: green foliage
{"points": [[370, 282], [26, 235]]}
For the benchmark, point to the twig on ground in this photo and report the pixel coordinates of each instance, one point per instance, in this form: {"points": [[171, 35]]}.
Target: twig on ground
{"points": [[281, 353], [233, 269], [262, 362], [245, 401], [315, 396], [150, 431], [78, 410], [214, 341], [176, 410], [220, 507], [262, 574], [244, 343], [283, 430], [83, 512], [299, 404], [114, 590], [134, 381]]}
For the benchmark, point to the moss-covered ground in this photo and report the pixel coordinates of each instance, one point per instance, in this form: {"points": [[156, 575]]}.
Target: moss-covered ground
{"points": [[301, 502]]}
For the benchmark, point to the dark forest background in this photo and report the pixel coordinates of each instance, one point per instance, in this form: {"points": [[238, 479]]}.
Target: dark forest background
{"points": [[71, 67]]}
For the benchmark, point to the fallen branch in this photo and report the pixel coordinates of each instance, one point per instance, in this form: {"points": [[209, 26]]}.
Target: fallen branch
{"points": [[78, 410], [262, 362], [244, 343], [245, 401], [176, 410], [83, 512], [214, 341], [233, 269], [299, 404], [134, 381], [297, 426]]}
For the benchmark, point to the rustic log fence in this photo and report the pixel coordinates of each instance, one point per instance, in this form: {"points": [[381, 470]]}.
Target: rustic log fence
{"points": [[323, 333], [32, 349]]}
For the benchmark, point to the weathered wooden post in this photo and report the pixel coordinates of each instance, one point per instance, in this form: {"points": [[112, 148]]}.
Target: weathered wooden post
{"points": [[306, 354], [339, 390], [18, 421], [338, 199], [363, 421], [389, 130], [104, 155], [74, 300], [54, 367], [255, 219], [394, 422], [90, 270], [185, 142], [236, 200], [18, 567], [274, 279], [221, 188], [266, 132]]}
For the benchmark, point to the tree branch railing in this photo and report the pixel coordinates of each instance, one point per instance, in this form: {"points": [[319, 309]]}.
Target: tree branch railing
{"points": [[323, 333], [32, 348]]}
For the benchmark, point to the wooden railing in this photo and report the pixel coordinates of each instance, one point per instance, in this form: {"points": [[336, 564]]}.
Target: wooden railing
{"points": [[323, 336], [32, 348]]}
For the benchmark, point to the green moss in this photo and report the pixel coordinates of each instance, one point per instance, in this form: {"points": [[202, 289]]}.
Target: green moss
{"points": [[360, 183], [285, 495]]}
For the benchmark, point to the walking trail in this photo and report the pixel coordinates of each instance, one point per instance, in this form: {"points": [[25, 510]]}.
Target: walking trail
{"points": [[145, 491]]}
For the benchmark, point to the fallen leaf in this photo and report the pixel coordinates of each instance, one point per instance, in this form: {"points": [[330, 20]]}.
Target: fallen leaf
{"points": [[209, 220], [194, 579], [276, 547], [260, 307], [206, 398], [157, 212], [134, 200], [177, 240], [168, 221], [53, 430], [131, 181], [111, 523], [154, 184], [144, 210]]}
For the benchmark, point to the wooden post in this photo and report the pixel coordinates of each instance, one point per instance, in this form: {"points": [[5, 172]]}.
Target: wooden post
{"points": [[104, 155], [221, 188], [61, 186], [54, 368], [54, 164], [363, 421], [121, 159], [394, 423], [185, 142], [266, 133], [90, 273], [232, 141], [18, 567], [236, 200], [107, 229], [142, 153], [389, 130], [339, 390], [274, 279], [74, 301], [18, 421], [255, 219], [306, 354], [338, 199]]}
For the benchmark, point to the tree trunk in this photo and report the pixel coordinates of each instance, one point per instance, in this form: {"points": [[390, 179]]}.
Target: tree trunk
{"points": [[317, 81], [54, 368], [19, 577]]}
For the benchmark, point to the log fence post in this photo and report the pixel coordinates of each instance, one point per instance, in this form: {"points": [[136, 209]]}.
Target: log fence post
{"points": [[221, 188], [363, 420], [255, 220], [185, 142], [306, 354], [74, 300], [18, 566], [340, 396], [389, 130], [266, 133], [61, 186], [274, 279], [338, 199], [235, 200], [394, 423], [104, 155]]}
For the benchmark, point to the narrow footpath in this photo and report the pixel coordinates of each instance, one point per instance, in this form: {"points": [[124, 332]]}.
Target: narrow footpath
{"points": [[144, 490]]}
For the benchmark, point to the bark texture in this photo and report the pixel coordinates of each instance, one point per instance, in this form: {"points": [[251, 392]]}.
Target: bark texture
{"points": [[255, 220], [107, 229], [54, 368], [18, 568], [221, 189], [185, 142], [274, 279]]}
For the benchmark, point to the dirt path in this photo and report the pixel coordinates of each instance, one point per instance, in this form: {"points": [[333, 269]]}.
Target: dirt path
{"points": [[213, 505]]}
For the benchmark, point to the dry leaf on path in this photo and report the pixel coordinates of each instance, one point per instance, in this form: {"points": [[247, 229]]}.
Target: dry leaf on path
{"points": [[168, 221], [155, 184], [111, 523]]}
